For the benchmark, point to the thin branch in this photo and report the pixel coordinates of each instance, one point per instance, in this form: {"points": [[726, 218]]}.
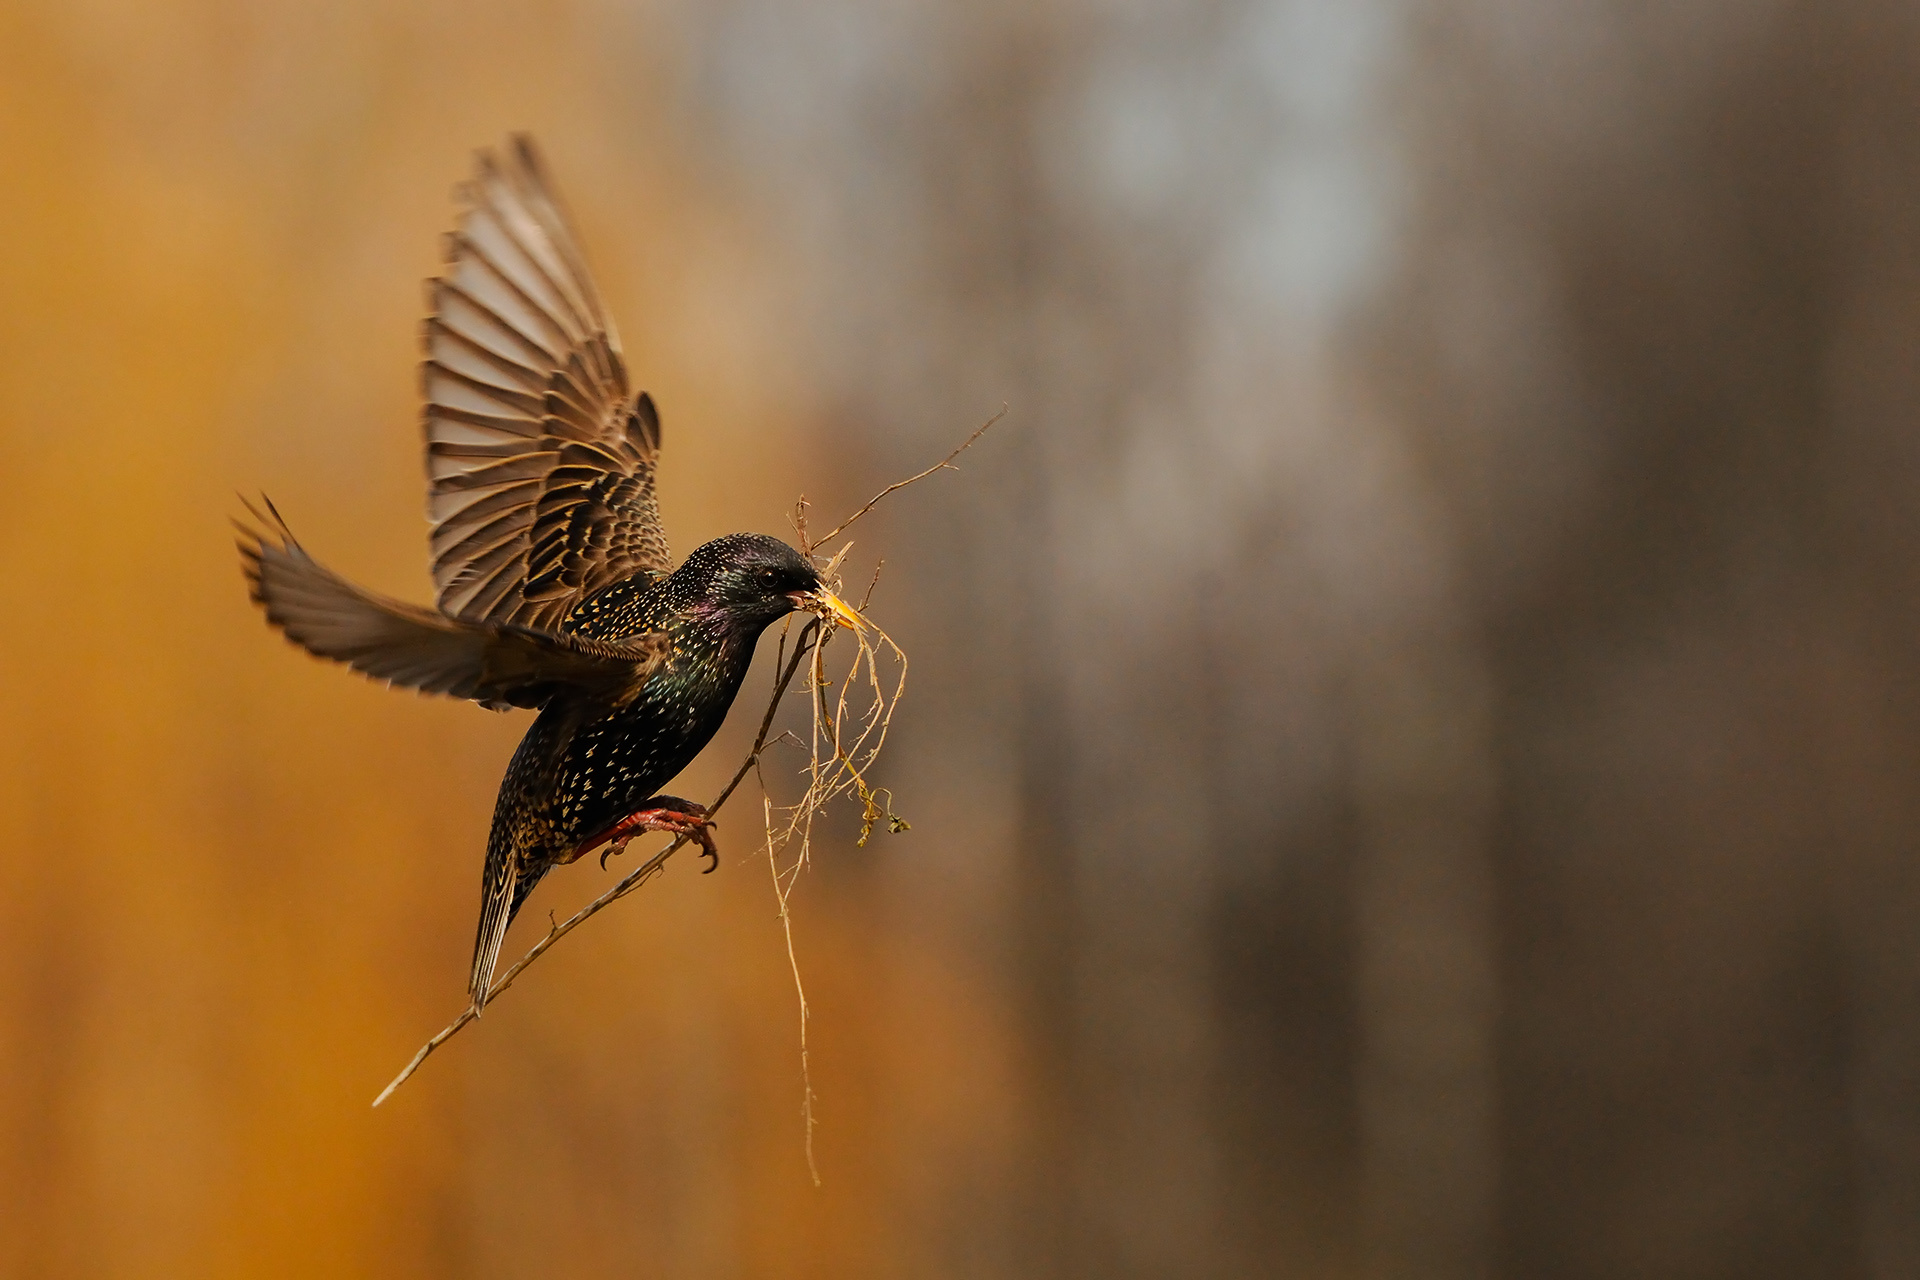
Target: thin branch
{"points": [[945, 464], [627, 884]]}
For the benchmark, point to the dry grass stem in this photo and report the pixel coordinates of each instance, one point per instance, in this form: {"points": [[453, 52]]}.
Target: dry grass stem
{"points": [[782, 887], [845, 740]]}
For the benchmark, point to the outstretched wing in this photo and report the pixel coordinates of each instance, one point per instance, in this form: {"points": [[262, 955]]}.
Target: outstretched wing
{"points": [[540, 460], [498, 664]]}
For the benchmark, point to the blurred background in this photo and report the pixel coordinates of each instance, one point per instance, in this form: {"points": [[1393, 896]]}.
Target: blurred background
{"points": [[1413, 734]]}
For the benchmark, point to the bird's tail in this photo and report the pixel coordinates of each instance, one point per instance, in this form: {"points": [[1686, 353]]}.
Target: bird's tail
{"points": [[520, 844], [502, 891]]}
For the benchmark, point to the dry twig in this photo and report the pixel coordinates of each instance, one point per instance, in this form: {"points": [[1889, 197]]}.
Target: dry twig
{"points": [[945, 464]]}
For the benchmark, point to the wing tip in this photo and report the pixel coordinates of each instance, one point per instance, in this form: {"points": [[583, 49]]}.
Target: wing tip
{"points": [[526, 152], [647, 414], [255, 541]]}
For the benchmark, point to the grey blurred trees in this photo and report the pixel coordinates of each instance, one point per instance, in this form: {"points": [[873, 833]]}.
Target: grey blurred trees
{"points": [[1667, 294], [1440, 621]]}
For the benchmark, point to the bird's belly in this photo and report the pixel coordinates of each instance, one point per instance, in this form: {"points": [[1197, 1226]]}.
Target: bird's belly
{"points": [[615, 763]]}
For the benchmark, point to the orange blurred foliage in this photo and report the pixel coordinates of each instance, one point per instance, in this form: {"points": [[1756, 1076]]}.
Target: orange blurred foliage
{"points": [[241, 883]]}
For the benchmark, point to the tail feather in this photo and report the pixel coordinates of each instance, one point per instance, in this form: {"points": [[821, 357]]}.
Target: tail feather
{"points": [[507, 887], [498, 904], [522, 845]]}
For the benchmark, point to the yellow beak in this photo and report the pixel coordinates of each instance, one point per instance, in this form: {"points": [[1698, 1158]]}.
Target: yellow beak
{"points": [[829, 605]]}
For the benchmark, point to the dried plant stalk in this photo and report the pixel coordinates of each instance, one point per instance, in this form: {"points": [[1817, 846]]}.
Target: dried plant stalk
{"points": [[844, 744]]}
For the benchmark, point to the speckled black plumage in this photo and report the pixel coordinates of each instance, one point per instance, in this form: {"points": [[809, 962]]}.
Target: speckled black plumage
{"points": [[583, 765], [554, 587]]}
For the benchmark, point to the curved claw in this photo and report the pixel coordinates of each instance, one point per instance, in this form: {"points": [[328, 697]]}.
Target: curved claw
{"points": [[676, 816]]}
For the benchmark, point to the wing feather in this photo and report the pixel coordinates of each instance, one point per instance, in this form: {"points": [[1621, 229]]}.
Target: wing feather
{"points": [[466, 316], [490, 285], [464, 355], [540, 459], [497, 664], [459, 390]]}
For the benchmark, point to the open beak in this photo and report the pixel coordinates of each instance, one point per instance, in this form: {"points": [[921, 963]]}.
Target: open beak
{"points": [[827, 605]]}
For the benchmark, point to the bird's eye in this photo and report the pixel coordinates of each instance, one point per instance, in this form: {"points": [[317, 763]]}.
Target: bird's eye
{"points": [[768, 577]]}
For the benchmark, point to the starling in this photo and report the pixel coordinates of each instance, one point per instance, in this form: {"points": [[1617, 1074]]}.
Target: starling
{"points": [[555, 590]]}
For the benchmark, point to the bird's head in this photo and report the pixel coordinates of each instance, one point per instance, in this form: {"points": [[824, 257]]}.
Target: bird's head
{"points": [[752, 579]]}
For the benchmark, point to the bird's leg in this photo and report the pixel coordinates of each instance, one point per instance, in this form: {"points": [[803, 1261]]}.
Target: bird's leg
{"points": [[662, 813]]}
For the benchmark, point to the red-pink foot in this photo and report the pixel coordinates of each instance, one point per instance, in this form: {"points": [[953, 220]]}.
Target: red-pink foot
{"points": [[680, 817]]}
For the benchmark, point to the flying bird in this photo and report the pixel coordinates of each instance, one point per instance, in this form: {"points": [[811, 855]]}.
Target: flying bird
{"points": [[554, 587]]}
